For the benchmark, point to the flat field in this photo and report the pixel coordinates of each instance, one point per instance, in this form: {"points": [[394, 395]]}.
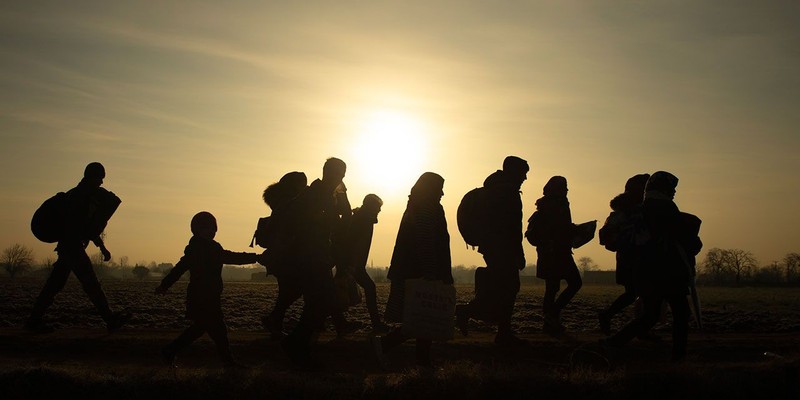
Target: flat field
{"points": [[749, 348]]}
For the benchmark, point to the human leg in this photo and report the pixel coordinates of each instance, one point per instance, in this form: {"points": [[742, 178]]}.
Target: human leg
{"points": [[54, 284], [620, 303], [680, 325]]}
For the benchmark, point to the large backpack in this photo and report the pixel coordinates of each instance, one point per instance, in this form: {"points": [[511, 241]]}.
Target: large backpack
{"points": [[48, 221], [623, 231], [471, 216]]}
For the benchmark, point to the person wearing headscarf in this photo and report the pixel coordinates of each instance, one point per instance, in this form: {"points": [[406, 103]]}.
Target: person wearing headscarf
{"points": [[422, 250]]}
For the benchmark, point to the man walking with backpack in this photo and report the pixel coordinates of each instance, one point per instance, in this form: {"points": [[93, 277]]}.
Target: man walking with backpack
{"points": [[500, 243], [86, 211]]}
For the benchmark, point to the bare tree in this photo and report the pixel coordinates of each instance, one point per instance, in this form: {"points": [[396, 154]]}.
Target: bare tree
{"points": [[17, 259], [742, 263], [714, 265], [586, 264], [792, 264]]}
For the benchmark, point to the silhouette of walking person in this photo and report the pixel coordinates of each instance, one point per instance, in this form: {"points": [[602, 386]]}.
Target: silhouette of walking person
{"points": [[668, 264], [318, 212], [551, 230], [356, 245], [203, 258], [422, 250], [279, 197], [86, 212], [502, 250], [616, 234]]}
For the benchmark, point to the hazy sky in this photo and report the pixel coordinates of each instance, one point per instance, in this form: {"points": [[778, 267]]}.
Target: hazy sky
{"points": [[199, 105]]}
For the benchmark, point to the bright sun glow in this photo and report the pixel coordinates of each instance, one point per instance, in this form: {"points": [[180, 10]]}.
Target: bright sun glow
{"points": [[389, 152]]}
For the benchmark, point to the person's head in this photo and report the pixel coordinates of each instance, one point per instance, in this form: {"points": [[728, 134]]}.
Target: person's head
{"points": [[662, 182], [94, 173], [556, 187], [516, 168], [294, 182], [429, 186], [635, 185], [204, 225], [372, 203], [333, 171]]}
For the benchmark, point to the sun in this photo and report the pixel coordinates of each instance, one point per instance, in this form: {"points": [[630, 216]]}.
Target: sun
{"points": [[389, 151]]}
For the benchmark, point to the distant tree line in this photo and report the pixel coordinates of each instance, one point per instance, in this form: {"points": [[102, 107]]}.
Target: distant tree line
{"points": [[729, 267], [739, 267]]}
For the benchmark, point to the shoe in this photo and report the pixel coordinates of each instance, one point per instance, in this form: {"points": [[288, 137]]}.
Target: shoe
{"points": [[298, 353], [649, 336], [232, 365], [376, 344], [275, 330], [605, 323], [509, 340], [380, 327], [38, 327], [552, 324], [462, 320], [117, 320], [346, 328], [553, 329], [169, 357]]}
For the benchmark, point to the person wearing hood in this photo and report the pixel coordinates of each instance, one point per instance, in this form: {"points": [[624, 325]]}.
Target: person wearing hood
{"points": [[667, 264], [502, 251], [554, 252], [422, 250], [626, 211], [282, 257]]}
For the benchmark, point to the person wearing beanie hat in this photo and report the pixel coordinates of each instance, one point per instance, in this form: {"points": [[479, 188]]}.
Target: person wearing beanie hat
{"points": [[554, 252], [666, 269], [497, 285], [626, 210], [203, 258], [87, 210]]}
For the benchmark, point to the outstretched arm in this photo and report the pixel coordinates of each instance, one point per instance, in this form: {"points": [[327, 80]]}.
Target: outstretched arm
{"points": [[230, 257], [188, 259]]}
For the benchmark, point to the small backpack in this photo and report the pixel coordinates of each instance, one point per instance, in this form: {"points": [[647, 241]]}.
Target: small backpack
{"points": [[48, 221], [261, 236], [534, 233], [471, 217]]}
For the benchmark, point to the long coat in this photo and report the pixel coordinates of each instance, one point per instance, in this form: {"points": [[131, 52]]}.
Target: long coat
{"points": [[555, 253], [422, 250]]}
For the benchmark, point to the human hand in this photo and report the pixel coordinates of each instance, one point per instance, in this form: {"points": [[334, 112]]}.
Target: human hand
{"points": [[106, 254]]}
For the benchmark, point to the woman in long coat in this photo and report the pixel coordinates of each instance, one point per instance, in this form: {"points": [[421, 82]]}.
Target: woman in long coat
{"points": [[422, 250], [555, 261]]}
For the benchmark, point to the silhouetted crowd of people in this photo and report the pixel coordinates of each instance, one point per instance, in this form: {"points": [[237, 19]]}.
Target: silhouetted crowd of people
{"points": [[312, 231]]}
